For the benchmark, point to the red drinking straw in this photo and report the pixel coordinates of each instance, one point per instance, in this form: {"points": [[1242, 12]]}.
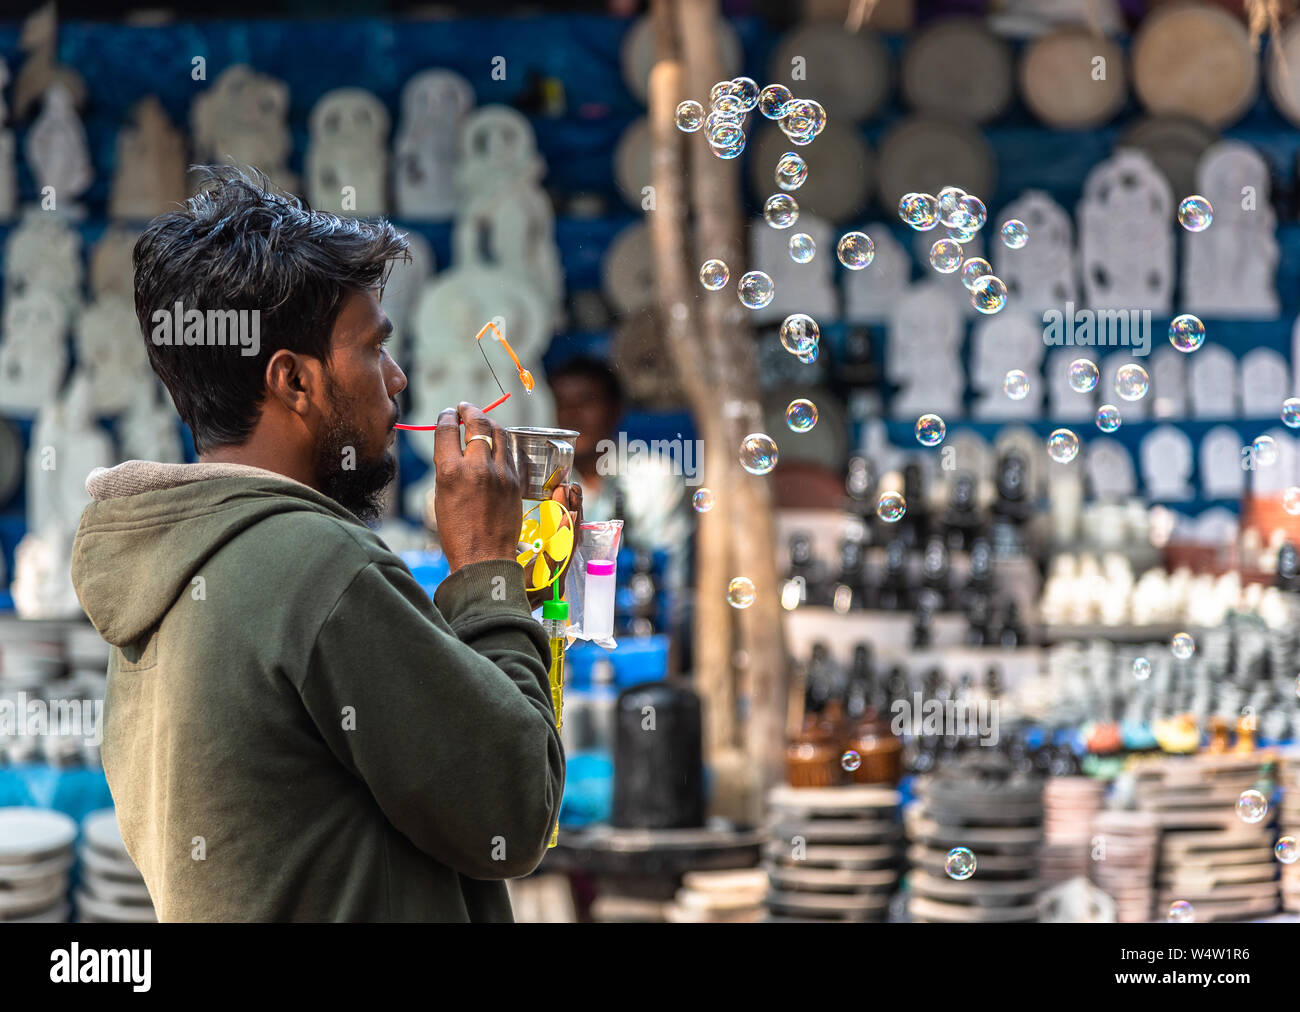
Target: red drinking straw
{"points": [[430, 428]]}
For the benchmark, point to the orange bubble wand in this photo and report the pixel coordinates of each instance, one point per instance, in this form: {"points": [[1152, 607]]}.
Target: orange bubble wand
{"points": [[525, 377]]}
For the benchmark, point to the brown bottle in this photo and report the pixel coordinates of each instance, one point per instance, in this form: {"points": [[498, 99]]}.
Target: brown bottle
{"points": [[1218, 736], [813, 759]]}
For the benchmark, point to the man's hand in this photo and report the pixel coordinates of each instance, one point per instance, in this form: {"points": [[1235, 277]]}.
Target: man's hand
{"points": [[479, 505], [570, 497]]}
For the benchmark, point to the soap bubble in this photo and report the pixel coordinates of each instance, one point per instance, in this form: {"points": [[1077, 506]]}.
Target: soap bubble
{"points": [[970, 214], [1182, 646], [1265, 451], [989, 295], [945, 256], [801, 415], [808, 357], [690, 116], [1082, 375], [1252, 807], [1291, 501], [799, 333], [1132, 382], [1015, 233], [702, 500], [961, 235], [780, 210], [802, 248], [891, 506], [1062, 446], [1286, 850], [1181, 912], [727, 142], [773, 99], [740, 592], [758, 454], [1186, 332], [1016, 384], [1195, 213], [920, 210], [1141, 669], [855, 250], [747, 91], [791, 171], [817, 114], [974, 269], [720, 89], [1108, 418], [1291, 412], [714, 275], [850, 761], [930, 430], [960, 864], [946, 202], [803, 120], [756, 290]]}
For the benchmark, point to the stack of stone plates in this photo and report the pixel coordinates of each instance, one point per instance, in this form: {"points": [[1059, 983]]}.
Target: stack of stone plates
{"points": [[35, 859], [1224, 867], [1123, 856], [1069, 806], [1289, 825], [719, 897], [111, 886], [999, 819], [834, 854]]}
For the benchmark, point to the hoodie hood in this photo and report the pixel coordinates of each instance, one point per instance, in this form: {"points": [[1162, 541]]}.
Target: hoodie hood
{"points": [[150, 527]]}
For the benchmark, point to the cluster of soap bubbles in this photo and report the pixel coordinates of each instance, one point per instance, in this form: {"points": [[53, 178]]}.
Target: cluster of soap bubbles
{"points": [[731, 101], [962, 214]]}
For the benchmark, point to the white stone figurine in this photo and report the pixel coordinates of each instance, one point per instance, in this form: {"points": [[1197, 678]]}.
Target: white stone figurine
{"points": [[243, 119], [406, 279], [1273, 479], [923, 356], [44, 252], [1009, 340], [1110, 469], [112, 271], [347, 154], [33, 352], [111, 352], [1167, 464], [1125, 235], [1168, 396], [1213, 382], [869, 294], [800, 288], [1041, 275], [1222, 476], [427, 150], [1229, 269], [148, 428], [506, 219], [1264, 382], [59, 155], [149, 179]]}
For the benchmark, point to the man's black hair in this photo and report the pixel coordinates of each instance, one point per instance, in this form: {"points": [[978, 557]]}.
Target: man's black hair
{"points": [[242, 244], [588, 367]]}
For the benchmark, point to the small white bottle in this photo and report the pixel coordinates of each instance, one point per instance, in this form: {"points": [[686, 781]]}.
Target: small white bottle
{"points": [[598, 600]]}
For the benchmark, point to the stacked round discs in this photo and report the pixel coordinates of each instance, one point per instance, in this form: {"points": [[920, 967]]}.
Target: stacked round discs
{"points": [[35, 859], [1289, 825], [834, 853], [111, 886], [1069, 805], [1123, 855], [719, 897], [1000, 821]]}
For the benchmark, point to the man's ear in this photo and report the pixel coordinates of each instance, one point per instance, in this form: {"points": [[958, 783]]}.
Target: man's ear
{"points": [[292, 380]]}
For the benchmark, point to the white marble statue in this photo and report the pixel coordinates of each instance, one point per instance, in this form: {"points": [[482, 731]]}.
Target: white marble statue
{"points": [[869, 294], [112, 271], [1042, 274], [111, 352], [406, 279], [1222, 476], [149, 179], [148, 428], [1168, 396], [427, 150], [800, 288], [1125, 239], [347, 154], [1271, 480], [43, 252], [1008, 340], [923, 354], [505, 219], [1213, 382], [1167, 464], [1263, 383], [1110, 469], [33, 352], [243, 119], [59, 155], [1229, 269]]}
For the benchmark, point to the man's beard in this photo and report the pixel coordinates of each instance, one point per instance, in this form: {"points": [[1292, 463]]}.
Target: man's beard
{"points": [[358, 488]]}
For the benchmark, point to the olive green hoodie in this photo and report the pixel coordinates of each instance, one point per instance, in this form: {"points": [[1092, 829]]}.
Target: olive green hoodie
{"points": [[293, 731]]}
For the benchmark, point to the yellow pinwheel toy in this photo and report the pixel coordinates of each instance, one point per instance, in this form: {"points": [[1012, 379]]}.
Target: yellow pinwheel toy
{"points": [[545, 544]]}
